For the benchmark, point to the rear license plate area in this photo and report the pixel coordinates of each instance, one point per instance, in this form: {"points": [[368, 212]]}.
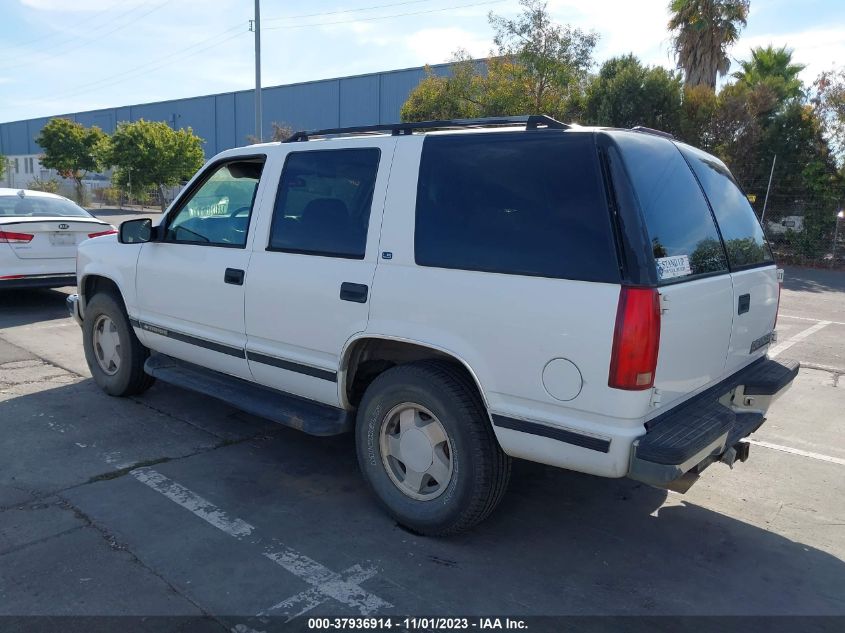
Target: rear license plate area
{"points": [[62, 239]]}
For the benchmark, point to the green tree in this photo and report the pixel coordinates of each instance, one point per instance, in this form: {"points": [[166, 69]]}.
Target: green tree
{"points": [[698, 113], [456, 96], [551, 60], [71, 149], [540, 67], [828, 99], [151, 153], [772, 67], [625, 94], [2, 165], [702, 31]]}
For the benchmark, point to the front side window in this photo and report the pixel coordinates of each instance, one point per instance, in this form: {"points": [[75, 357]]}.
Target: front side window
{"points": [[323, 203], [217, 212], [526, 203], [743, 236], [684, 238]]}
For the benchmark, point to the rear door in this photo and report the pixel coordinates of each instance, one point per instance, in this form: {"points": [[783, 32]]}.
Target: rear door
{"points": [[312, 268], [753, 273], [692, 271]]}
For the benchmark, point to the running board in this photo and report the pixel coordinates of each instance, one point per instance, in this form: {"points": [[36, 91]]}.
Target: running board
{"points": [[304, 415]]}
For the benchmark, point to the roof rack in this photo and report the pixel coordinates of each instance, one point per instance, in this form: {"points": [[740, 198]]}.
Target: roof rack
{"points": [[649, 130], [532, 122]]}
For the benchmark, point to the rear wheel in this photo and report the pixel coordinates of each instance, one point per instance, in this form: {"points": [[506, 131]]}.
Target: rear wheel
{"points": [[114, 354], [427, 449]]}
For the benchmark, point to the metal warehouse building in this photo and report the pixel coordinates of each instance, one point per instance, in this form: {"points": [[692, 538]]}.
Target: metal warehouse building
{"points": [[226, 120]]}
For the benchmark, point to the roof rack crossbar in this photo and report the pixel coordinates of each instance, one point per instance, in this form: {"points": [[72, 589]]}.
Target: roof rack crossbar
{"points": [[532, 122]]}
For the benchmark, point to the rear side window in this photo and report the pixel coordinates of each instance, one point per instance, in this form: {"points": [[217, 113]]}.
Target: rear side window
{"points": [[743, 236], [323, 203], [516, 203], [683, 235]]}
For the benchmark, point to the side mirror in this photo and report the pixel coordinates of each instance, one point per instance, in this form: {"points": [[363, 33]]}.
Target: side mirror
{"points": [[135, 231]]}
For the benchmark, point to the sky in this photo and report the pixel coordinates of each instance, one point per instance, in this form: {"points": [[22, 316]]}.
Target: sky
{"points": [[64, 56]]}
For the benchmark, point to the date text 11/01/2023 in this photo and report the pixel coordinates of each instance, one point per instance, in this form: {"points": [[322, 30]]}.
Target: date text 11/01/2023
{"points": [[414, 623]]}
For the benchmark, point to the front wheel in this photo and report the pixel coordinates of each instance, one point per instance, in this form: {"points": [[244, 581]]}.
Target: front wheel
{"points": [[426, 447], [114, 354]]}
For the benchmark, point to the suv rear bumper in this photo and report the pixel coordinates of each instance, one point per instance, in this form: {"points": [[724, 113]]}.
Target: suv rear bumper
{"points": [[709, 427]]}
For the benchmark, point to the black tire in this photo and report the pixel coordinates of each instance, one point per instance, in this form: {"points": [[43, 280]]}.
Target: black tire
{"points": [[129, 378], [481, 469]]}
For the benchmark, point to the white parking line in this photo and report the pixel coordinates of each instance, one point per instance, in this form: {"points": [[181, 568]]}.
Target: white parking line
{"points": [[325, 584], [305, 601], [798, 451], [800, 318], [203, 508], [785, 345]]}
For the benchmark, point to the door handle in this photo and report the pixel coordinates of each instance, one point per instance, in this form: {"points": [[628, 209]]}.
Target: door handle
{"points": [[744, 304], [234, 276], [356, 293]]}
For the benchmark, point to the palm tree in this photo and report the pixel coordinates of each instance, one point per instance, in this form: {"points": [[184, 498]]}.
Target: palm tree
{"points": [[702, 32], [772, 67]]}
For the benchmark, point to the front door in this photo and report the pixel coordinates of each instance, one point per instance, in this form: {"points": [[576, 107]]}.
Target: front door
{"points": [[190, 282], [311, 282]]}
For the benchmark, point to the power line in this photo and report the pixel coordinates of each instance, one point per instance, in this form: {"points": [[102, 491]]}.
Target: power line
{"points": [[370, 8], [148, 67], [87, 21], [64, 51], [385, 17]]}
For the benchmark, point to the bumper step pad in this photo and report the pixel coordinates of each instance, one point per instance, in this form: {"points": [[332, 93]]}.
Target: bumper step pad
{"points": [[683, 441], [685, 432], [766, 379]]}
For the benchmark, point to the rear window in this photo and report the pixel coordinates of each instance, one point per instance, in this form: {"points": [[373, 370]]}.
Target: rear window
{"points": [[743, 236], [683, 235], [38, 206], [515, 203]]}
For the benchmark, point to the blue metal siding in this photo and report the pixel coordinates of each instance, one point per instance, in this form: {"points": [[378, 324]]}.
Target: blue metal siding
{"points": [[359, 100], [227, 120]]}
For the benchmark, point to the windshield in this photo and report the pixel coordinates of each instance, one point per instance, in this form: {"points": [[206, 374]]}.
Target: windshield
{"points": [[36, 206]]}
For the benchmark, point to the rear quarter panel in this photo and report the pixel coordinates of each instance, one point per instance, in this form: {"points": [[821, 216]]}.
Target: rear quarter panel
{"points": [[506, 328]]}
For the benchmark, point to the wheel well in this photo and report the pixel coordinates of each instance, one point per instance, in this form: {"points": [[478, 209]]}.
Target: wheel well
{"points": [[367, 358], [95, 283]]}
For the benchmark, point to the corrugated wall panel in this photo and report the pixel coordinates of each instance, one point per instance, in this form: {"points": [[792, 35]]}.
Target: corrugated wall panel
{"points": [[226, 120], [303, 106], [359, 100]]}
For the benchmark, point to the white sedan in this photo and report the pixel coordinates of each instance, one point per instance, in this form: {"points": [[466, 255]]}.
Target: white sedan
{"points": [[39, 233]]}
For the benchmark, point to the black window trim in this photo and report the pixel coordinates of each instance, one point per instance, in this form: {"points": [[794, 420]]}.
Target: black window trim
{"points": [[207, 172], [310, 253], [511, 273]]}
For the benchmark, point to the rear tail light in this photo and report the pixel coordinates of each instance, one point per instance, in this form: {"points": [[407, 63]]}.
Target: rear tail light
{"points": [[15, 238], [111, 231], [777, 309], [636, 339]]}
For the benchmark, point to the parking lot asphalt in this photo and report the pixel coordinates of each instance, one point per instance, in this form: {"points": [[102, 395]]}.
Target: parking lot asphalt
{"points": [[175, 504]]}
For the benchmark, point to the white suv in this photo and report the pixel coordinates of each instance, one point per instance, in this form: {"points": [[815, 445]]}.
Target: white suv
{"points": [[594, 299]]}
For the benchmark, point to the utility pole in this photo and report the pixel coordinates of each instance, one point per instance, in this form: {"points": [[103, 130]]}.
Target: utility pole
{"points": [[255, 26], [768, 189]]}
